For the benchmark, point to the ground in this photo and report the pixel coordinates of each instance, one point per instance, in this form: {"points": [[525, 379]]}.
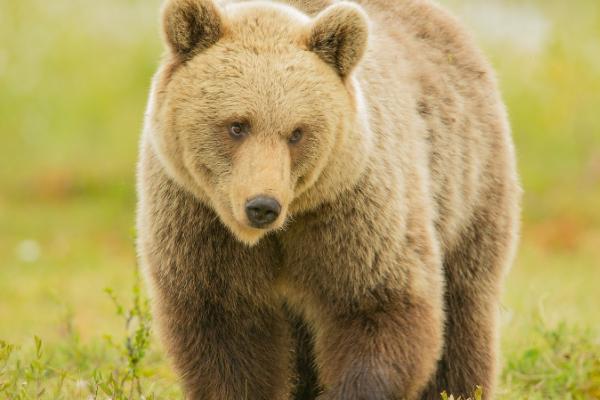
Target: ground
{"points": [[73, 83]]}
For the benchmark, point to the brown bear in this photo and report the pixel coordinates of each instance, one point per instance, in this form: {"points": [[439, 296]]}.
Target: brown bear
{"points": [[328, 201]]}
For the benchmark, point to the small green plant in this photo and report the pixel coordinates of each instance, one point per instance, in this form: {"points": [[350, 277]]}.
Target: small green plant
{"points": [[35, 378], [124, 381], [71, 370], [477, 395], [559, 361]]}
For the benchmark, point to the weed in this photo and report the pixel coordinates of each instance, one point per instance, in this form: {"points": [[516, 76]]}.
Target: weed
{"points": [[32, 379], [34, 373], [124, 383], [477, 395], [560, 361]]}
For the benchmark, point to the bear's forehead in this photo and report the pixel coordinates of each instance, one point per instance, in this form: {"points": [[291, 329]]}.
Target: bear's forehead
{"points": [[265, 27], [234, 70]]}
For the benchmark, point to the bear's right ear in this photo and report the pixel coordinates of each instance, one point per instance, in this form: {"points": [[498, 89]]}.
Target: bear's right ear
{"points": [[339, 36], [191, 26]]}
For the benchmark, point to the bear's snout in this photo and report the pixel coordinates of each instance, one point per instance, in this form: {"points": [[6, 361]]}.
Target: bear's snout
{"points": [[262, 211]]}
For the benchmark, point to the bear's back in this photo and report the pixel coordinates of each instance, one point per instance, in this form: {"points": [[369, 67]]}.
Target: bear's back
{"points": [[425, 72]]}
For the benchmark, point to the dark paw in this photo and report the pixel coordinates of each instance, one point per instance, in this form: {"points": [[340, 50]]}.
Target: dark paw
{"points": [[363, 395]]}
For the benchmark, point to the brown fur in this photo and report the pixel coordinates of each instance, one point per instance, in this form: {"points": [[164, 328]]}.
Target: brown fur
{"points": [[381, 277]]}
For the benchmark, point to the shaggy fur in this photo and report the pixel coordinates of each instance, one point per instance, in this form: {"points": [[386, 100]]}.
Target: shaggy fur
{"points": [[380, 278]]}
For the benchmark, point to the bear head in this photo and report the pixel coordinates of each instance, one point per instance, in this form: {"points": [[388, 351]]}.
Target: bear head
{"points": [[255, 109]]}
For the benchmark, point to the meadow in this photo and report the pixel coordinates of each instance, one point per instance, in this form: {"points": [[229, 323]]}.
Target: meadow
{"points": [[74, 77]]}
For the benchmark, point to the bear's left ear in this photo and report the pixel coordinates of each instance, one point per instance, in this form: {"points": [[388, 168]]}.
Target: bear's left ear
{"points": [[339, 35], [190, 26]]}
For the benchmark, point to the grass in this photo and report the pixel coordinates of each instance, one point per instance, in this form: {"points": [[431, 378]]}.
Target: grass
{"points": [[73, 81], [110, 368], [558, 361]]}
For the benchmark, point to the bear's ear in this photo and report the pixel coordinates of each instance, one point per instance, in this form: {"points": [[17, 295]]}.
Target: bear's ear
{"points": [[191, 26], [339, 35]]}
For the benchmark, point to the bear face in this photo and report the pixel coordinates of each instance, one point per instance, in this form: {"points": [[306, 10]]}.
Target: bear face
{"points": [[251, 101]]}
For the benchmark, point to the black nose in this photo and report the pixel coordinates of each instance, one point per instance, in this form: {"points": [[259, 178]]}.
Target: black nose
{"points": [[262, 211]]}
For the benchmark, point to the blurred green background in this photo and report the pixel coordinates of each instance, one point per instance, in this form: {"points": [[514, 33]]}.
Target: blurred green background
{"points": [[74, 77]]}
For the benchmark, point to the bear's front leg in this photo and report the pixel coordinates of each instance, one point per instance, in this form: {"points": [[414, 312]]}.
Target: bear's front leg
{"points": [[387, 352], [213, 301], [221, 354], [371, 289]]}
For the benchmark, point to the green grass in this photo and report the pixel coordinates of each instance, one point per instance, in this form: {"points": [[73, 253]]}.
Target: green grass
{"points": [[117, 368], [73, 82]]}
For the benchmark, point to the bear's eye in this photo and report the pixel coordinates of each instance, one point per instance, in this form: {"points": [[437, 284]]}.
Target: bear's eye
{"points": [[238, 130], [296, 136]]}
